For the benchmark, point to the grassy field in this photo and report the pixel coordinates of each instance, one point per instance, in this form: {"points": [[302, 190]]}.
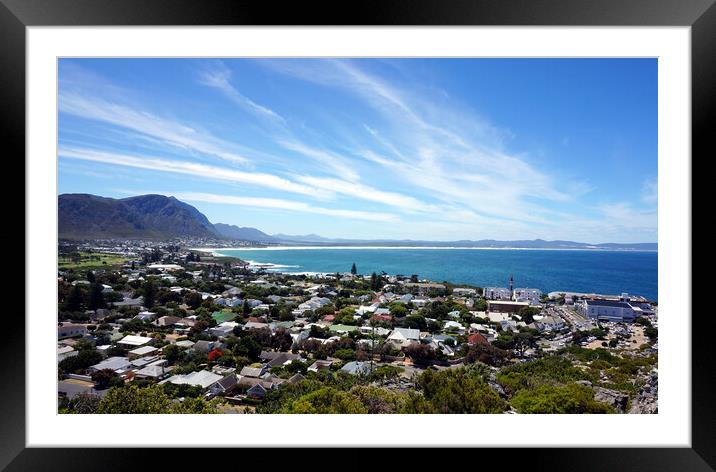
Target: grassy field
{"points": [[87, 260]]}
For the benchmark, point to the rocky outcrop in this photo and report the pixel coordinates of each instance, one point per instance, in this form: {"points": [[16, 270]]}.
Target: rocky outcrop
{"points": [[611, 397], [646, 401]]}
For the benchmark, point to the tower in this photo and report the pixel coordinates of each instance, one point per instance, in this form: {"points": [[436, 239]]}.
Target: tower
{"points": [[511, 284]]}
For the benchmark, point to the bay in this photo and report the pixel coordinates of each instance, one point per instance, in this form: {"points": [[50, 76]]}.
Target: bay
{"points": [[589, 271]]}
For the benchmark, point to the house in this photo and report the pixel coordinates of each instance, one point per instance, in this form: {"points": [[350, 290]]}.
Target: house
{"points": [[249, 384], [132, 340], [167, 320], [442, 347], [225, 386], [320, 364], [295, 379], [356, 368], [453, 326], [141, 362], [129, 302], [509, 325], [63, 352], [69, 330], [255, 325], [185, 343], [477, 338], [153, 371], [71, 388], [255, 372], [257, 392], [278, 359], [404, 336], [378, 331], [224, 329], [142, 351], [206, 346], [382, 317], [203, 379], [314, 303], [118, 364]]}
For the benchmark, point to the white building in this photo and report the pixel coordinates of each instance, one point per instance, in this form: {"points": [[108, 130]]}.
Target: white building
{"points": [[464, 292], [526, 294], [497, 293], [606, 310]]}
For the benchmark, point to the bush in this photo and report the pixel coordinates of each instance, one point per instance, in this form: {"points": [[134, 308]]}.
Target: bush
{"points": [[572, 398], [462, 390], [550, 370]]}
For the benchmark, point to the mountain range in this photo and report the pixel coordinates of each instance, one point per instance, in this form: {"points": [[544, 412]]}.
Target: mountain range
{"points": [[85, 216]]}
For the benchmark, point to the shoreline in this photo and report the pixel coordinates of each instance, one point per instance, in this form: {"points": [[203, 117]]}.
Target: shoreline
{"points": [[290, 248]]}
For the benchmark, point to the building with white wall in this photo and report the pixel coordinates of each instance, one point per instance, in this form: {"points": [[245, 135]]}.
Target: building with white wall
{"points": [[526, 294], [606, 310], [497, 293]]}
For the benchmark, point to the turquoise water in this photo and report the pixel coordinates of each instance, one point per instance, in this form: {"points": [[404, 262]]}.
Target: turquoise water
{"points": [[607, 272]]}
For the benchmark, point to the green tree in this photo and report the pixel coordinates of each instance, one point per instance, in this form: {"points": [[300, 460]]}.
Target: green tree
{"points": [[193, 300], [354, 269], [80, 362], [415, 322], [103, 378], [150, 294], [96, 297], [173, 353], [75, 300]]}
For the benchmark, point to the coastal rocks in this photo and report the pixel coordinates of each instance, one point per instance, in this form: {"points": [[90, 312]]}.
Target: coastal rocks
{"points": [[646, 400], [586, 383], [611, 397]]}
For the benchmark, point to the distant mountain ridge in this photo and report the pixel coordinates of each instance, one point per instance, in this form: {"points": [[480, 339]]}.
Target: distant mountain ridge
{"points": [[243, 233], [486, 243], [86, 216]]}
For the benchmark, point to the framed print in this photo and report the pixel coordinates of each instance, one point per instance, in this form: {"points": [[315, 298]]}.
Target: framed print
{"points": [[301, 228]]}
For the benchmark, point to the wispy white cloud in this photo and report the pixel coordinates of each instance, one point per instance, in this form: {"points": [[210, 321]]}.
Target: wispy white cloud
{"points": [[219, 77], [289, 205], [451, 154], [191, 168], [650, 191], [335, 163], [365, 192], [166, 130]]}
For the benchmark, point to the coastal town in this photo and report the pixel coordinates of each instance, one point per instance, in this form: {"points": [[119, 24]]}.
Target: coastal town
{"points": [[159, 327]]}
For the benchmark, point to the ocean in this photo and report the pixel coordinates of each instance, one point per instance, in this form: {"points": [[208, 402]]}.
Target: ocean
{"points": [[590, 271]]}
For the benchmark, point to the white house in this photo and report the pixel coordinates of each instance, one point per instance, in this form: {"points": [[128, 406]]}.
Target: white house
{"points": [[404, 336]]}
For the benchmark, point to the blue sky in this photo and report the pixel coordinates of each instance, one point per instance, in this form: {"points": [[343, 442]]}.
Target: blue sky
{"points": [[438, 149]]}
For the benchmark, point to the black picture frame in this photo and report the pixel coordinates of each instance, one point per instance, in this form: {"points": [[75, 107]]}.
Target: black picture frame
{"points": [[700, 15]]}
